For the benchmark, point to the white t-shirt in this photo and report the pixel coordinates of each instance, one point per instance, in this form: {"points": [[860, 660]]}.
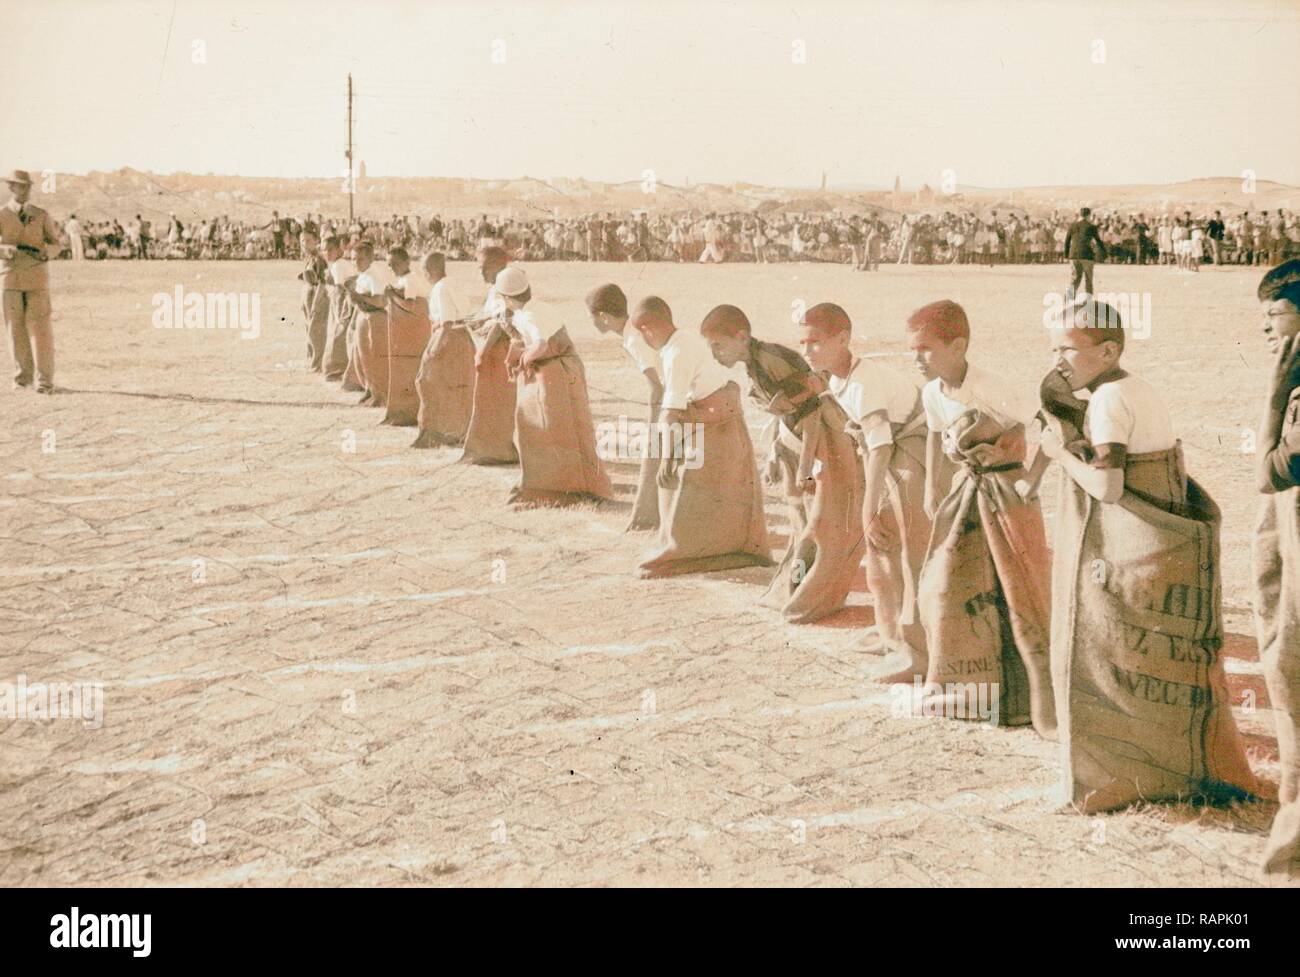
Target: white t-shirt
{"points": [[640, 352], [493, 305], [1128, 412], [445, 303], [414, 284], [341, 270], [690, 371], [874, 396], [532, 329], [982, 390], [374, 279]]}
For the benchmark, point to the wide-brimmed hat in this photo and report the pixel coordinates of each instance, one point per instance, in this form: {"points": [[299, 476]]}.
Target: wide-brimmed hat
{"points": [[18, 176]]}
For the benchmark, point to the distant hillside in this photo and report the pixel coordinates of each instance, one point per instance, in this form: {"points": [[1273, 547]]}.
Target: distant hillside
{"points": [[126, 192]]}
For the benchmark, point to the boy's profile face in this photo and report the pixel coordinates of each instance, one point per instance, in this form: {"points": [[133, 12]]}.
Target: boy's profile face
{"points": [[654, 332], [728, 350], [821, 346], [935, 358], [1078, 359], [1281, 322]]}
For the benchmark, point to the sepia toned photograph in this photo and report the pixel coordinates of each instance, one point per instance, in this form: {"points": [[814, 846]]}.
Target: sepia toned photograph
{"points": [[674, 445]]}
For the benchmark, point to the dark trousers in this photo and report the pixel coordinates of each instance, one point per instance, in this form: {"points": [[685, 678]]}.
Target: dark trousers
{"points": [[1082, 270]]}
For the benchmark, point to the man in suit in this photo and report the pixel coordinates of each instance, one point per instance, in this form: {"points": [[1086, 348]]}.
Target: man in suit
{"points": [[1214, 231], [25, 231], [1083, 246]]}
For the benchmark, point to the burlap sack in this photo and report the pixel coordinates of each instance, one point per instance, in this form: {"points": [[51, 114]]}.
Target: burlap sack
{"points": [[408, 335], [316, 313], [983, 595], [372, 355], [336, 341], [893, 573], [711, 517], [555, 434], [645, 508], [1277, 625], [352, 376], [445, 385], [1136, 636], [816, 573], [490, 438]]}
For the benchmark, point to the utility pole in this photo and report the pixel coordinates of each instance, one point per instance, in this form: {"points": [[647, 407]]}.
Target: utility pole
{"points": [[352, 178]]}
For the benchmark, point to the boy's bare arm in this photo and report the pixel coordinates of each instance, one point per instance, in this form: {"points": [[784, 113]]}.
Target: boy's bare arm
{"points": [[1277, 467], [670, 421], [656, 389], [877, 468], [1103, 478]]}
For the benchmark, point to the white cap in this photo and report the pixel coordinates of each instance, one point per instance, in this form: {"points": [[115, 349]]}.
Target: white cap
{"points": [[511, 281]]}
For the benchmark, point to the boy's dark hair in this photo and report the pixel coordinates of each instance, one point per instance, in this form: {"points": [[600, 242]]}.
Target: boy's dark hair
{"points": [[727, 320], [1099, 321], [1282, 282], [608, 299], [654, 307]]}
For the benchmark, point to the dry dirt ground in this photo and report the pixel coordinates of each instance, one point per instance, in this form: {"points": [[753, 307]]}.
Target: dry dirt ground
{"points": [[335, 667]]}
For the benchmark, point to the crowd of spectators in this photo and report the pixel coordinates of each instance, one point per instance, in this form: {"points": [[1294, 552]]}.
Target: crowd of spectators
{"points": [[863, 241]]}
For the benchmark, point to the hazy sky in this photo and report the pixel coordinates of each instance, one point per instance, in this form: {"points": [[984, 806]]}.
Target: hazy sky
{"points": [[1003, 94]]}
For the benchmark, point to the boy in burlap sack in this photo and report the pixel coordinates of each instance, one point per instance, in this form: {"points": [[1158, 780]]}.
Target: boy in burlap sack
{"points": [[887, 421], [340, 270], [608, 307], [1137, 630], [1277, 557], [408, 337], [370, 348], [490, 438], [813, 460], [315, 301], [352, 380], [710, 501], [445, 381], [983, 594], [554, 432]]}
